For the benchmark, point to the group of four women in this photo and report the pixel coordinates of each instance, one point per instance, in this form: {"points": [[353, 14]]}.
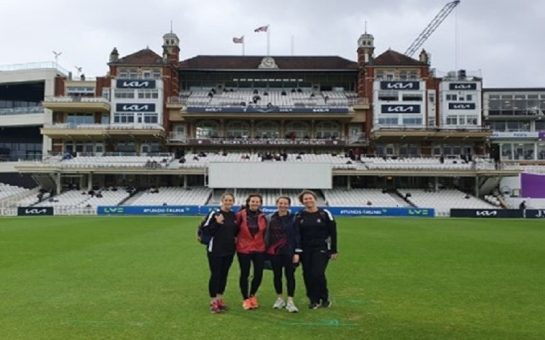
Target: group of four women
{"points": [[308, 237]]}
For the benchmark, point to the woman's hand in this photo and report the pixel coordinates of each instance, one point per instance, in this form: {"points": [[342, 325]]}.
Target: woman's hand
{"points": [[219, 218], [333, 256]]}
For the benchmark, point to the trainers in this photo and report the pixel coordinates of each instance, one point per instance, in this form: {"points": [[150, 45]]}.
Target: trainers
{"points": [[215, 307], [253, 302], [314, 305], [247, 304], [325, 304], [222, 305], [290, 307], [279, 303]]}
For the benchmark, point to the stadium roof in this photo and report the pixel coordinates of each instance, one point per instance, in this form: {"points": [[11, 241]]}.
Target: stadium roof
{"points": [[393, 58], [311, 63], [142, 57]]}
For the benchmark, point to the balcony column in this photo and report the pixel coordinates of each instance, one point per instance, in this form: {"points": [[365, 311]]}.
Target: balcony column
{"points": [[82, 181], [58, 182], [222, 129], [185, 181], [348, 182], [90, 182]]}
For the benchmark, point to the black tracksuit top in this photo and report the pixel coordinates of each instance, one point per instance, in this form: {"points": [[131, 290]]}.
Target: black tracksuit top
{"points": [[317, 230]]}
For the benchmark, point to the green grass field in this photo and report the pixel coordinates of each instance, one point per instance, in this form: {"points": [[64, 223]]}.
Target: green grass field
{"points": [[135, 277]]}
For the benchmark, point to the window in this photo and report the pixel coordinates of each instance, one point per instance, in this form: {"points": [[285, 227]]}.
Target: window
{"points": [[327, 130], [469, 97], [123, 93], [151, 118], [498, 126], [472, 120], [412, 98], [207, 129], [124, 118], [452, 97], [412, 121], [452, 120], [80, 118], [267, 129], [388, 95], [541, 151], [148, 94], [297, 130], [388, 121]]}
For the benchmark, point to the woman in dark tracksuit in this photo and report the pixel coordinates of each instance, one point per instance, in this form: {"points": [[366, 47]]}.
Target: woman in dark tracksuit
{"points": [[318, 243], [222, 226], [251, 248], [280, 239]]}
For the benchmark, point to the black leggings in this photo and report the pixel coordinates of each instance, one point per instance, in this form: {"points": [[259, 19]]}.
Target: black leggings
{"points": [[245, 260], [285, 262], [314, 263], [219, 268]]}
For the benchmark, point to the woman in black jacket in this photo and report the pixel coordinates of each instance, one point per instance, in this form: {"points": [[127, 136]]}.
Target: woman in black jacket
{"points": [[280, 238], [318, 243], [222, 228]]}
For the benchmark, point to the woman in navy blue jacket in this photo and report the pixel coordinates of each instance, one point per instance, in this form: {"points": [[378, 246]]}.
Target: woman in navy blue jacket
{"points": [[280, 239]]}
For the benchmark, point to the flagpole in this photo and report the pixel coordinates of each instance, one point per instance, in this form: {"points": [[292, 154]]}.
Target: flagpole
{"points": [[292, 45], [243, 45], [268, 40]]}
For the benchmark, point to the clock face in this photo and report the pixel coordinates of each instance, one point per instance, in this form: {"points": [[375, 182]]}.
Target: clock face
{"points": [[268, 62]]}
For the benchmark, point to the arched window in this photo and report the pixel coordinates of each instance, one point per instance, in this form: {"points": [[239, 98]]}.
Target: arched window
{"points": [[237, 129], [297, 130], [207, 129], [267, 129], [328, 130]]}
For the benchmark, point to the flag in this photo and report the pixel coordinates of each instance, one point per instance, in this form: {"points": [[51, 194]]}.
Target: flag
{"points": [[262, 29], [238, 40]]}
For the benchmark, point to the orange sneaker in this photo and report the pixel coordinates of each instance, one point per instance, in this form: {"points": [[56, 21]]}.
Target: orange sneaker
{"points": [[253, 301], [247, 304]]}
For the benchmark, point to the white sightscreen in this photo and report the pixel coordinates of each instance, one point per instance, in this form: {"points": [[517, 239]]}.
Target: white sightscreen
{"points": [[267, 175]]}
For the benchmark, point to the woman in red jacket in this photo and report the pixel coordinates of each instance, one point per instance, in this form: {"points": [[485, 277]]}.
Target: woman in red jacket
{"points": [[251, 248]]}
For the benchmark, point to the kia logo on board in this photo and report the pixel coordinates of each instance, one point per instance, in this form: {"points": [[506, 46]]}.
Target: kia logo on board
{"points": [[135, 84], [463, 86], [400, 108], [461, 106], [400, 85], [135, 107], [486, 213]]}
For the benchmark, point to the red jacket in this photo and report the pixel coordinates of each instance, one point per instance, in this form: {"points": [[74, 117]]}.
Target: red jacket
{"points": [[246, 242]]}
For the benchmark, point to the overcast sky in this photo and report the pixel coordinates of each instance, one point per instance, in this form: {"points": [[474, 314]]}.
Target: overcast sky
{"points": [[502, 40]]}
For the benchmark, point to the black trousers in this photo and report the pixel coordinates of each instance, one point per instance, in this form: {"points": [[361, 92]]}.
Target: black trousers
{"points": [[245, 261], [314, 263], [279, 263], [219, 269]]}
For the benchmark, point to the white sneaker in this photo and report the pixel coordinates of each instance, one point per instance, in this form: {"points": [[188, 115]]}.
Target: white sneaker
{"points": [[279, 303], [290, 307]]}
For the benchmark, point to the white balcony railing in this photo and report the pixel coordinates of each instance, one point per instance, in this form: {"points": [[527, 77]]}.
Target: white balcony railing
{"points": [[76, 99], [123, 126], [21, 110]]}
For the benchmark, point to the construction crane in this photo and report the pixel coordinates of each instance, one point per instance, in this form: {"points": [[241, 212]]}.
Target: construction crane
{"points": [[432, 26]]}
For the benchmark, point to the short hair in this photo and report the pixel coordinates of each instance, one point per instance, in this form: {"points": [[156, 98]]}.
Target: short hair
{"points": [[283, 198], [307, 192], [225, 194]]}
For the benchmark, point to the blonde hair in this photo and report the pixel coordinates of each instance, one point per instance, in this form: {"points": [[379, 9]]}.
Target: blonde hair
{"points": [[225, 194]]}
